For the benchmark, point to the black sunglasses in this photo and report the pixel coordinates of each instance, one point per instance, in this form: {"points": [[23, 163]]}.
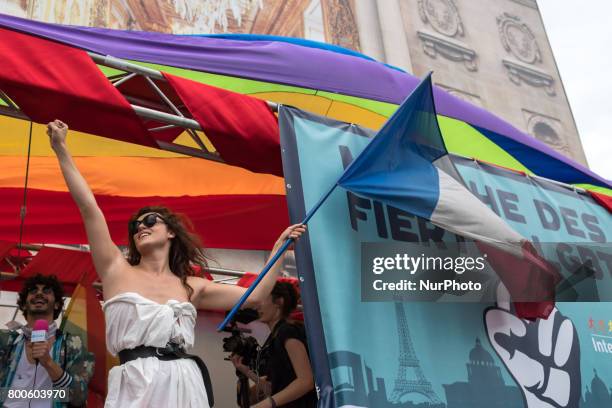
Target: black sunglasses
{"points": [[148, 221], [46, 290]]}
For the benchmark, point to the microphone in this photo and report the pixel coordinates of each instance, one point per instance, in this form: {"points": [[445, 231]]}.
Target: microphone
{"points": [[39, 332]]}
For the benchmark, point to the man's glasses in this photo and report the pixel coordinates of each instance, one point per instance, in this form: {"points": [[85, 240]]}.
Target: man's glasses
{"points": [[148, 221], [46, 290]]}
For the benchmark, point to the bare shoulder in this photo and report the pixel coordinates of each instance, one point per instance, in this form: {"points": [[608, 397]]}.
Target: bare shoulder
{"points": [[198, 284]]}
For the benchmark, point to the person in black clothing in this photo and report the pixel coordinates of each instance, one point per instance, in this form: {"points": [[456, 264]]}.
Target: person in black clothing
{"points": [[285, 376]]}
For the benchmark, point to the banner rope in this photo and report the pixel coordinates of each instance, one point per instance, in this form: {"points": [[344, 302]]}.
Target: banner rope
{"points": [[23, 210]]}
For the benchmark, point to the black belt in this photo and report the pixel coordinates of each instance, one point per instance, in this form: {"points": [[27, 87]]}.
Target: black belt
{"points": [[167, 354]]}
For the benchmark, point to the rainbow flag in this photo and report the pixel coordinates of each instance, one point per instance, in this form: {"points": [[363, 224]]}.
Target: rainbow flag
{"points": [[220, 198], [84, 318]]}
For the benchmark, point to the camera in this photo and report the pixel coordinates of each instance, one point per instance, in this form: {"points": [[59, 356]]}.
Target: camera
{"points": [[239, 344]]}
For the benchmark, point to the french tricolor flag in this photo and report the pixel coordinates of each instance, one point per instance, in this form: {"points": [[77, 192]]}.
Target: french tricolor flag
{"points": [[406, 165]]}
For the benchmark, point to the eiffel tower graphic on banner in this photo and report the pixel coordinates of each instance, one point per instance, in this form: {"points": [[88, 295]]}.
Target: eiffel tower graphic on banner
{"points": [[410, 378]]}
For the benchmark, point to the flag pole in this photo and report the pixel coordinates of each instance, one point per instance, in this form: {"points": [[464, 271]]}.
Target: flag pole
{"points": [[272, 261], [309, 215]]}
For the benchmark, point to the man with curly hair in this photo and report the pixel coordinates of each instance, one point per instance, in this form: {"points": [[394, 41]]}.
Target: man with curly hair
{"points": [[60, 362]]}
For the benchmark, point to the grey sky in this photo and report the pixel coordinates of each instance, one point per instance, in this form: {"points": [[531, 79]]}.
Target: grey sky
{"points": [[580, 33]]}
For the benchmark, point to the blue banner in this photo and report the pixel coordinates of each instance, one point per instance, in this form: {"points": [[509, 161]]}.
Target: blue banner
{"points": [[417, 354]]}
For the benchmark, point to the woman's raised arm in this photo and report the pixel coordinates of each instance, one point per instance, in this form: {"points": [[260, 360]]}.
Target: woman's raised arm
{"points": [[218, 296], [106, 256]]}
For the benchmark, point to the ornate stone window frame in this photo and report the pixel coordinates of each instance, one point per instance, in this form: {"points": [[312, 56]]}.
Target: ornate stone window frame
{"points": [[533, 118]]}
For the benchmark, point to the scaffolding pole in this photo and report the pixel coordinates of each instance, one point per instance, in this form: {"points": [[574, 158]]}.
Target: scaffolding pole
{"points": [[123, 65]]}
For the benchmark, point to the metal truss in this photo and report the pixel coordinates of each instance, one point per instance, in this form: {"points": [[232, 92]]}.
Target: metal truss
{"points": [[16, 264], [164, 110]]}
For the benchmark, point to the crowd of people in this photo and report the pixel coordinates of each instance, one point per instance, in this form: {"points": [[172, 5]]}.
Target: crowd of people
{"points": [[150, 303]]}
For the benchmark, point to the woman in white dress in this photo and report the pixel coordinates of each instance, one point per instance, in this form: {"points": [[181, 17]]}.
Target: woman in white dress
{"points": [[151, 297]]}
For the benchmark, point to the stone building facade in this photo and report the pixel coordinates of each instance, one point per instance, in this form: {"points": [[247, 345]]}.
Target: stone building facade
{"points": [[493, 53]]}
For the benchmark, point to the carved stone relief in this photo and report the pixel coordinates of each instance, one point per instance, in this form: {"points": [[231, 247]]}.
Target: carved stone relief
{"points": [[518, 39], [99, 13], [442, 15], [341, 23]]}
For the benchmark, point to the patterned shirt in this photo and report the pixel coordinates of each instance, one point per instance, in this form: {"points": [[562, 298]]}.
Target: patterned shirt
{"points": [[68, 351]]}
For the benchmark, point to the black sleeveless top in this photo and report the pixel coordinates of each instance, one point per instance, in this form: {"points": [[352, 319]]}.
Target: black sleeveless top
{"points": [[275, 362]]}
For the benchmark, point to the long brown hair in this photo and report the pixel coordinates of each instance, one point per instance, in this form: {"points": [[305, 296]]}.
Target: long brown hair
{"points": [[185, 249]]}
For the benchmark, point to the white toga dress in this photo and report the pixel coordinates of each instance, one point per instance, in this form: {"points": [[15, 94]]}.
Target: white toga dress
{"points": [[133, 320]]}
